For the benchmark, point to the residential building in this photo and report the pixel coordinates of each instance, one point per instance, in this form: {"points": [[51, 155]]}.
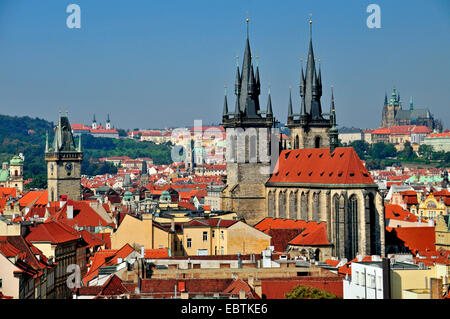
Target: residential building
{"points": [[215, 236]]}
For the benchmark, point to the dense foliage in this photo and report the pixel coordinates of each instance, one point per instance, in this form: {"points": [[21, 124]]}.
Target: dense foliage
{"points": [[380, 155], [27, 135], [306, 292]]}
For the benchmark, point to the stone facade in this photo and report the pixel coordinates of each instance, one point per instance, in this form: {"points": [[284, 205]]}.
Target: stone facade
{"points": [[63, 163], [335, 206]]}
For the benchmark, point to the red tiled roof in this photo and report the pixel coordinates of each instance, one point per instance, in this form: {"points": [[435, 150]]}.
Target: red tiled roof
{"points": [[318, 166], [50, 232], [156, 253], [416, 238], [281, 237], [398, 213], [277, 288], [312, 236]]}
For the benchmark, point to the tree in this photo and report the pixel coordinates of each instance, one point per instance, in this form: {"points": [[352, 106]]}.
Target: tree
{"points": [[382, 151], [361, 148], [306, 292], [408, 152], [425, 151]]}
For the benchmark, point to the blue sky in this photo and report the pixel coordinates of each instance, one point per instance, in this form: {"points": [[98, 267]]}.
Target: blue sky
{"points": [[155, 64]]}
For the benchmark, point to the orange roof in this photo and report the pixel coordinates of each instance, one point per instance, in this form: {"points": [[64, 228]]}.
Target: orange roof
{"points": [[318, 166], [156, 253], [50, 232], [397, 212], [312, 236], [31, 198], [416, 238], [8, 191]]}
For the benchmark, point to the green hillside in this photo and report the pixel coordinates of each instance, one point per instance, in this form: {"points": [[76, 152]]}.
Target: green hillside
{"points": [[27, 135]]}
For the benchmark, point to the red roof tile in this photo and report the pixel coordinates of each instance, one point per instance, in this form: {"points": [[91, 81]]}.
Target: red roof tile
{"points": [[318, 166], [397, 212], [50, 232]]}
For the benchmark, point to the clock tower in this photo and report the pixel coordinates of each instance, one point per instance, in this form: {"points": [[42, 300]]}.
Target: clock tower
{"points": [[63, 163]]}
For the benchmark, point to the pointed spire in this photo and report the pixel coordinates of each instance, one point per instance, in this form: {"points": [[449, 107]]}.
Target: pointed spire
{"points": [[385, 99], [79, 144], [269, 112], [46, 142], [290, 112], [225, 104], [312, 86], [94, 121], [107, 119], [237, 84], [333, 133], [411, 105], [302, 79]]}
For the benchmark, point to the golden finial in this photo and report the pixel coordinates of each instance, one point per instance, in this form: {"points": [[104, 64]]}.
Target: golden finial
{"points": [[310, 18]]}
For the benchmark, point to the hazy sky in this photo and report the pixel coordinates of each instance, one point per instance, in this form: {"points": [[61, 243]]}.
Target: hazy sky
{"points": [[154, 64]]}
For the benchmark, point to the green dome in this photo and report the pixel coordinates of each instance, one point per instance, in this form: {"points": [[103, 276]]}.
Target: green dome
{"points": [[16, 160]]}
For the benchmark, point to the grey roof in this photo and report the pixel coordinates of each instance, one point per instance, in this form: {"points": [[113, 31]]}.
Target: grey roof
{"points": [[63, 141], [412, 114], [350, 130], [248, 90]]}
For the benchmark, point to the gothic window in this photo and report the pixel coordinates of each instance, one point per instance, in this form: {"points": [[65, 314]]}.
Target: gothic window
{"points": [[282, 204], [304, 207], [271, 204], [296, 143], [353, 227], [316, 206], [337, 234], [317, 142], [293, 205], [374, 226]]}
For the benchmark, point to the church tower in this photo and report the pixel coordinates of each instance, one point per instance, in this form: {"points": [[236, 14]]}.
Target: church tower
{"points": [[63, 163], [247, 144], [309, 128]]}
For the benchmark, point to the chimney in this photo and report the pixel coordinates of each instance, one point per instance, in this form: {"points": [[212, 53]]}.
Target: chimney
{"points": [[69, 209]]}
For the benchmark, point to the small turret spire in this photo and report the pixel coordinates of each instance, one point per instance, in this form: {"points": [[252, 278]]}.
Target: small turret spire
{"points": [[46, 142], [225, 104], [411, 105], [269, 112], [290, 111]]}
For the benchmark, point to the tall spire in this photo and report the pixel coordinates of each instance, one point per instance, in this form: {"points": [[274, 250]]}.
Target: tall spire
{"points": [[225, 104], [385, 99], [269, 105], [290, 112], [334, 141], [411, 105], [312, 86], [79, 144], [46, 142], [248, 92]]}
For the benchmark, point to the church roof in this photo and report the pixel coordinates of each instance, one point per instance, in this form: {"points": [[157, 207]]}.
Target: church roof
{"points": [[319, 166], [412, 114]]}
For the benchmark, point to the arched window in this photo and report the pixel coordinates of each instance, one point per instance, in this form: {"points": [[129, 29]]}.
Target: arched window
{"points": [[271, 205], [282, 205], [374, 226], [293, 205], [337, 232], [353, 227], [316, 206], [317, 142], [16, 173], [296, 143], [304, 207]]}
